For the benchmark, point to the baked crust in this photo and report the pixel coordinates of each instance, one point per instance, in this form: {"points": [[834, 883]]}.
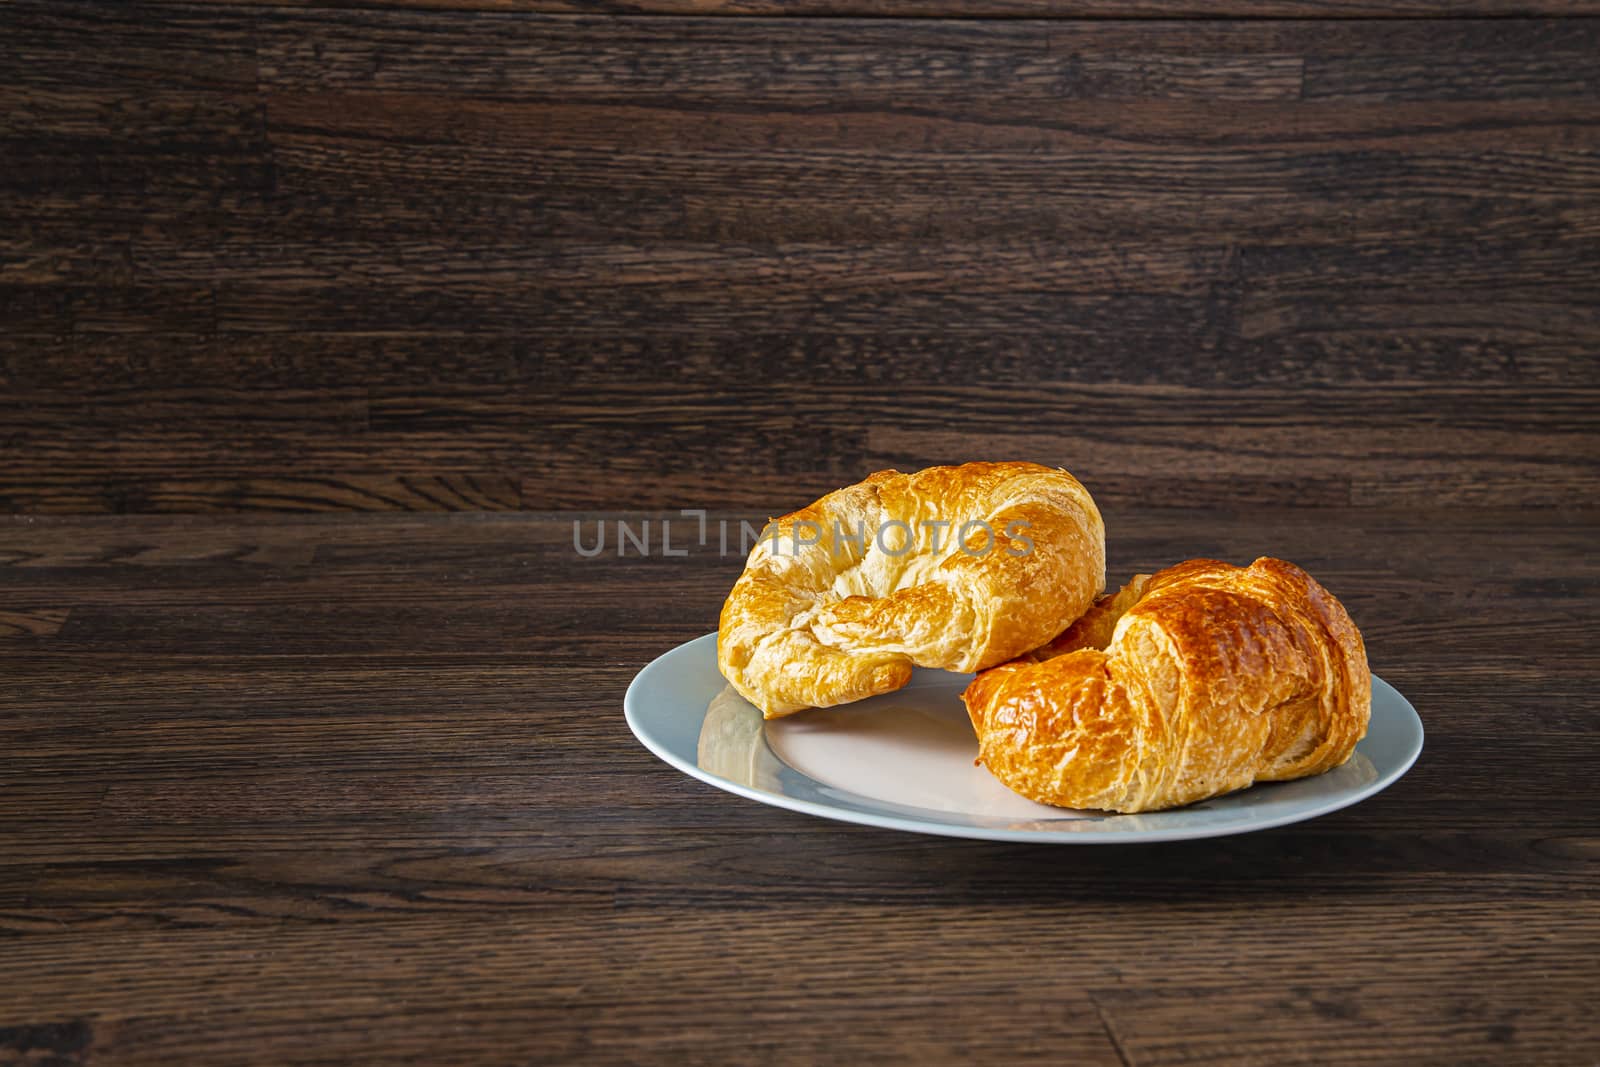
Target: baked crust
{"points": [[846, 617], [1190, 683]]}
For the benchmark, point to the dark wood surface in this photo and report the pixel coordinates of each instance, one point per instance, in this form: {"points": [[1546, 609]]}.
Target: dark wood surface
{"points": [[322, 789], [1311, 278], [297, 258]]}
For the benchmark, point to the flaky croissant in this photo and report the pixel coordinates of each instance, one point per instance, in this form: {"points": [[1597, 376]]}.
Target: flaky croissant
{"points": [[952, 567], [1187, 684]]}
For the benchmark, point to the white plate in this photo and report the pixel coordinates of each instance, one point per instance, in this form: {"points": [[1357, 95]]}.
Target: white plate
{"points": [[904, 761]]}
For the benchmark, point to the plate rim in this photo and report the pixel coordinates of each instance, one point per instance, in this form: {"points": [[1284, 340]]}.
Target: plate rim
{"points": [[632, 703]]}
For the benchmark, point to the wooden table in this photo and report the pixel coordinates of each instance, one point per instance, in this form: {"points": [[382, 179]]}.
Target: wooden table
{"points": [[1319, 280], [417, 256], [285, 790]]}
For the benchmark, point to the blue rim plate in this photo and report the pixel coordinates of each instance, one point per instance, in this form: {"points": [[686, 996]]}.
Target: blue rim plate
{"points": [[681, 709]]}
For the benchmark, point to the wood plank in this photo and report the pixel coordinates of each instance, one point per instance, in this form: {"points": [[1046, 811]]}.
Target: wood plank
{"points": [[299, 236], [1165, 127], [65, 137], [591, 193], [179, 412], [1454, 76], [31, 622], [818, 268], [163, 47], [416, 44], [1524, 245], [174, 870], [883, 310], [898, 65], [115, 549], [722, 446], [1130, 444], [332, 491], [1038, 9], [1494, 345], [161, 362], [902, 66]]}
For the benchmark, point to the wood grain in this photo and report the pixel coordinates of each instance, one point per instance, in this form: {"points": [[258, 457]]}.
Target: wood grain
{"points": [[295, 784], [303, 258], [1031, 9], [319, 788], [31, 622]]}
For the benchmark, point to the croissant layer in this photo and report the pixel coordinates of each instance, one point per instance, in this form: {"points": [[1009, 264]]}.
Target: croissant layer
{"points": [[1193, 682], [958, 568]]}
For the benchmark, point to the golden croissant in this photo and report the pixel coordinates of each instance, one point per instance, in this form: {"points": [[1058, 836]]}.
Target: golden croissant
{"points": [[1187, 684], [958, 568]]}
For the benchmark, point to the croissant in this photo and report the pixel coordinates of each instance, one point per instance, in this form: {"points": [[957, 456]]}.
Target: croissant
{"points": [[1187, 684], [959, 568]]}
